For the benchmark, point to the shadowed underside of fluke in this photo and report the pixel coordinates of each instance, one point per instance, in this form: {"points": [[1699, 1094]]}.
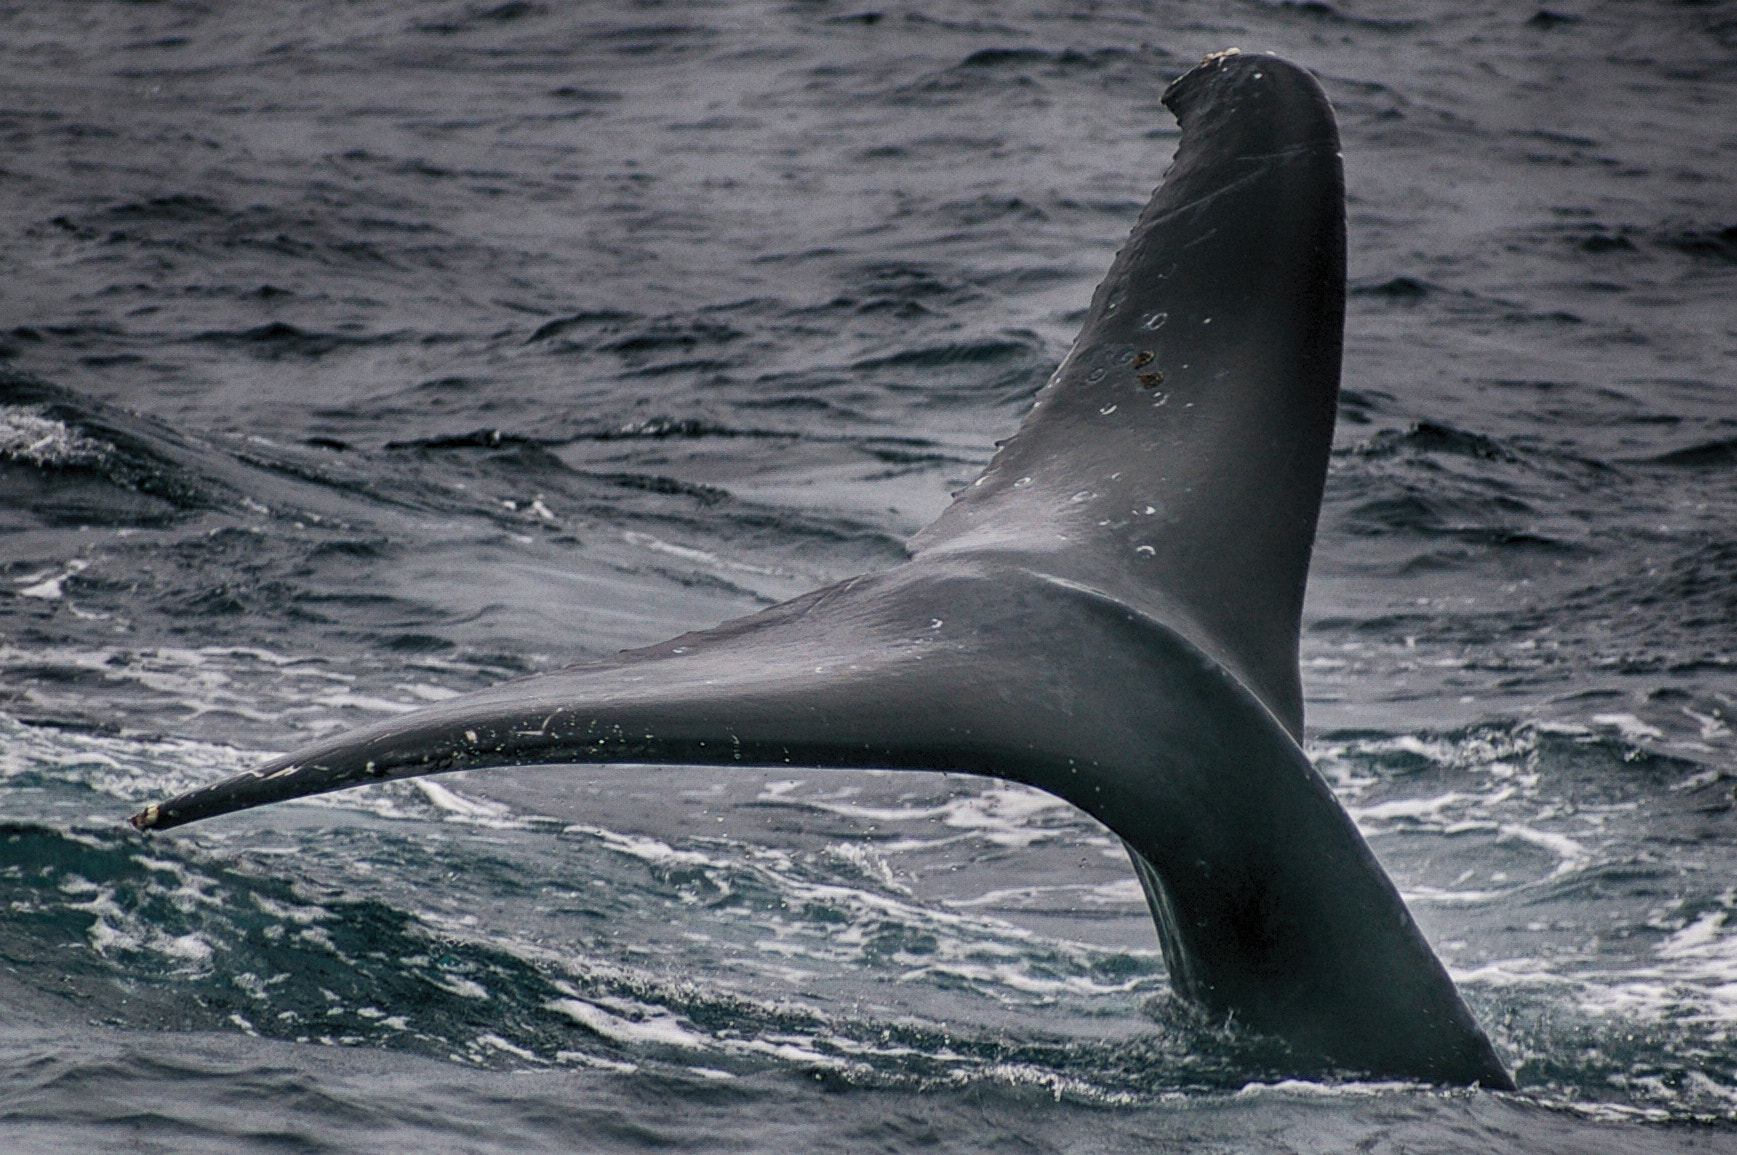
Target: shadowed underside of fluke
{"points": [[1109, 613]]}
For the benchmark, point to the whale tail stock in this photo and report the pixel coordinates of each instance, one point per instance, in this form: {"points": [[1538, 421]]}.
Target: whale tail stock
{"points": [[1109, 613]]}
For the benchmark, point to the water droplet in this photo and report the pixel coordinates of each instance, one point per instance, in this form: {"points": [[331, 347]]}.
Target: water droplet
{"points": [[1152, 322]]}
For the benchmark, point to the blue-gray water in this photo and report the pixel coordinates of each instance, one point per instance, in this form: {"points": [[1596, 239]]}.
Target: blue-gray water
{"points": [[360, 354]]}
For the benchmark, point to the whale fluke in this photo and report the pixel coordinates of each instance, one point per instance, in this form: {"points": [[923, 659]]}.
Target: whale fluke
{"points": [[1109, 613]]}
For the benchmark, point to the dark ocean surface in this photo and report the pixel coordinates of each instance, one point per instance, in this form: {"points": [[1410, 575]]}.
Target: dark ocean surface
{"points": [[353, 355]]}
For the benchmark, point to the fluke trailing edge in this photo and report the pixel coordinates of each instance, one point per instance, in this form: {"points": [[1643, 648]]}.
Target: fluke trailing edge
{"points": [[1109, 613]]}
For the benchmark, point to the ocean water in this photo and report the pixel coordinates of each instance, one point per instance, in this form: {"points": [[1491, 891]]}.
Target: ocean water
{"points": [[355, 355]]}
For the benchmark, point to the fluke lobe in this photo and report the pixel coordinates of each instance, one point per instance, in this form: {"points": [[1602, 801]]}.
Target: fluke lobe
{"points": [[1109, 613]]}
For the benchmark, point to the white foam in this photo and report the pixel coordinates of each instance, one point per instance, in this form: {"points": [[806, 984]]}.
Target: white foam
{"points": [[1511, 972], [1017, 976], [1003, 814], [1629, 726], [1058, 1085], [641, 847], [637, 1024], [867, 860], [1571, 853], [687, 553], [1691, 940], [463, 987], [300, 914], [596, 1061], [1697, 781], [495, 1043], [28, 436], [1306, 1088], [1712, 725], [458, 805], [49, 587], [290, 692], [124, 768], [1419, 809], [116, 929], [1122, 892], [1441, 896]]}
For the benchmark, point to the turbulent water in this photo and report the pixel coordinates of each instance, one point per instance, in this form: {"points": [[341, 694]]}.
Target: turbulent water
{"points": [[361, 354]]}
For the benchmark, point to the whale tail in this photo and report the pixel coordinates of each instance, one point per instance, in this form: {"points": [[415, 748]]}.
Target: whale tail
{"points": [[1109, 613]]}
